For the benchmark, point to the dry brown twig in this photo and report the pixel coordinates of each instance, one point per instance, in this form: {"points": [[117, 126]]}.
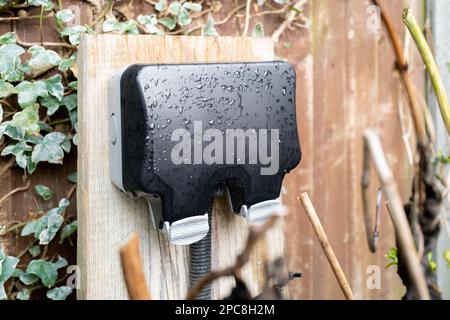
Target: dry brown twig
{"points": [[7, 166], [402, 66], [397, 212], [291, 16], [247, 18], [96, 4], [14, 191], [133, 271], [371, 235], [255, 233], [327, 249]]}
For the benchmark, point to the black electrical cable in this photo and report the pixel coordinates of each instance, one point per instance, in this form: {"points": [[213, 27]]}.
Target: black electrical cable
{"points": [[200, 261]]}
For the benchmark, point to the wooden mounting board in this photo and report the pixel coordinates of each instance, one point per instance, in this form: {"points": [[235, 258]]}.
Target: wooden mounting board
{"points": [[107, 217]]}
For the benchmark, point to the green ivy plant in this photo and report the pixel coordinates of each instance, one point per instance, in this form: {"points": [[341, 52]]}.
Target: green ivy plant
{"points": [[41, 272], [392, 255]]}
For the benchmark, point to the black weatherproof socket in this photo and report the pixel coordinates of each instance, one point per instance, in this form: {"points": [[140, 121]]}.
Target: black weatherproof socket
{"points": [[180, 132]]}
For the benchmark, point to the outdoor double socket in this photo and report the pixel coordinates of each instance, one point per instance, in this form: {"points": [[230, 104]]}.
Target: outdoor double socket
{"points": [[181, 132]]}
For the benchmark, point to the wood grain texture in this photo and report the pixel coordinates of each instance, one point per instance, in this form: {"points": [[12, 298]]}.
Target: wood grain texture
{"points": [[346, 83], [106, 216]]}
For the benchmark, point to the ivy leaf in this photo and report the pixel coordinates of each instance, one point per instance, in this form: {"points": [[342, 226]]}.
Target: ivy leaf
{"points": [[49, 149], [47, 4], [65, 15], [59, 293], [27, 119], [43, 127], [76, 139], [54, 223], [183, 17], [68, 230], [35, 251], [22, 123], [51, 103], [62, 205], [161, 5], [174, 8], [31, 166], [23, 294], [17, 273], [168, 22], [10, 62], [72, 177], [28, 278], [55, 87], [28, 92], [20, 150], [129, 26], [6, 89], [60, 263], [42, 58], [16, 133], [209, 29], [34, 227], [8, 38], [197, 7], [70, 102], [281, 1], [37, 227], [260, 2], [66, 64], [7, 266], [43, 191], [74, 33], [45, 270], [258, 31], [73, 85], [148, 19], [150, 22]]}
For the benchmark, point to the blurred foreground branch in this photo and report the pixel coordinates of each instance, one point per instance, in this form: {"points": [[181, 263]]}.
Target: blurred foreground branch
{"points": [[397, 212], [133, 271]]}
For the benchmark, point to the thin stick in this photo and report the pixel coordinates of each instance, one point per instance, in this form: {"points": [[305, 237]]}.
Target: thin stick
{"points": [[326, 247], [397, 213], [7, 166], [289, 19], [247, 18], [19, 189], [133, 270], [402, 66], [3, 19], [365, 183], [430, 63]]}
